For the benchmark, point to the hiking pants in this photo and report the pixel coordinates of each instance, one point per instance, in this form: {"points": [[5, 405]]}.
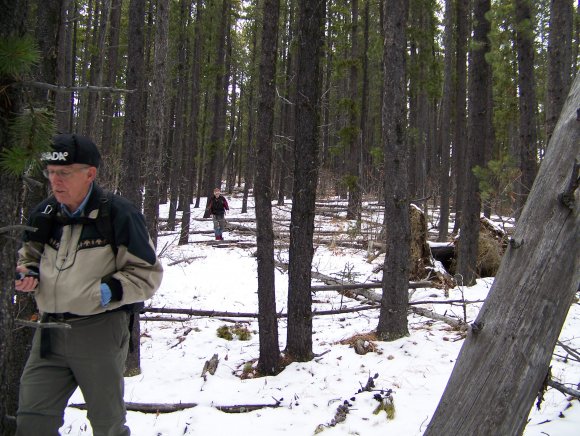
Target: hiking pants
{"points": [[219, 224], [90, 355]]}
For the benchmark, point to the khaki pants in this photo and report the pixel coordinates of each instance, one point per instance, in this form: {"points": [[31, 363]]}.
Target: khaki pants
{"points": [[90, 355]]}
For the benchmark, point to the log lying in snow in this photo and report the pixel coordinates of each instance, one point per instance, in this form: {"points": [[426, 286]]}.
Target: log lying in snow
{"points": [[176, 407], [147, 407], [370, 285]]}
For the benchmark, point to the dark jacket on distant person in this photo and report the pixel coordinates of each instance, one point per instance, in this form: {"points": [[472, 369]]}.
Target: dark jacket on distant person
{"points": [[218, 205]]}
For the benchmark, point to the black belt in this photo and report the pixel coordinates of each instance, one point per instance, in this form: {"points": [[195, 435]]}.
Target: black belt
{"points": [[66, 316]]}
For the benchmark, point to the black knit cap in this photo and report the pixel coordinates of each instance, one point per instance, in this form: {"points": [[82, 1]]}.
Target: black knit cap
{"points": [[69, 148]]}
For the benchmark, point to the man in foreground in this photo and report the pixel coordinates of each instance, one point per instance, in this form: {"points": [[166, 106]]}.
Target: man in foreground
{"points": [[90, 264]]}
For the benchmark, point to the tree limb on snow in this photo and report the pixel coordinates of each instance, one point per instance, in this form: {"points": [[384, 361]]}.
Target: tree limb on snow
{"points": [[147, 407], [564, 389], [176, 407]]}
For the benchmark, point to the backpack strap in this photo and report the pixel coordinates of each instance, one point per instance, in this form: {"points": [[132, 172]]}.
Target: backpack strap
{"points": [[104, 219]]}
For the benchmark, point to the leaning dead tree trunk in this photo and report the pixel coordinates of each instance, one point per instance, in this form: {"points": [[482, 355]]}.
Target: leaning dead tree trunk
{"points": [[504, 360]]}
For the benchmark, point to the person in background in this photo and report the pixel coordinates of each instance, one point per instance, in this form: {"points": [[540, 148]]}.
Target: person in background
{"points": [[86, 283], [217, 207]]}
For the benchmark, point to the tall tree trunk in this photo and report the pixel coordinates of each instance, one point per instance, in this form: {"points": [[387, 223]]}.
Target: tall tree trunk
{"points": [[559, 60], [157, 118], [505, 359], [96, 69], [460, 133], [445, 122], [12, 24], [110, 171], [250, 155], [528, 147], [177, 165], [364, 106], [394, 303], [46, 33], [479, 81], [155, 140], [63, 107], [269, 361], [354, 208], [191, 149], [307, 116], [212, 179], [134, 126]]}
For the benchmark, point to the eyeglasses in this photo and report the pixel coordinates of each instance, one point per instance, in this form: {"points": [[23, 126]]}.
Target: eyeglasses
{"points": [[62, 174]]}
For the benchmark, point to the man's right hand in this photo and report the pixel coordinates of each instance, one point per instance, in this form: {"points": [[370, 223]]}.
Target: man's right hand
{"points": [[26, 281]]}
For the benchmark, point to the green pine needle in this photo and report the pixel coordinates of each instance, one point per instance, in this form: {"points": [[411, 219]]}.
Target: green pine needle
{"points": [[17, 56], [31, 134]]}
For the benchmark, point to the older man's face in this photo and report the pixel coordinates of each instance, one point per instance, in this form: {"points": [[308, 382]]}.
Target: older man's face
{"points": [[70, 183]]}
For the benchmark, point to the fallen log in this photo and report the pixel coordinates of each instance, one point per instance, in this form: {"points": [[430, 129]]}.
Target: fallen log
{"points": [[176, 407], [370, 285], [147, 407], [456, 324], [245, 408], [214, 313]]}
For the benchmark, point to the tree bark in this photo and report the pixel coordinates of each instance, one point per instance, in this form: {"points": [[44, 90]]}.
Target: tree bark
{"points": [[445, 123], [188, 182], [306, 157], [460, 135], [559, 60], [528, 148], [110, 171], [269, 361], [212, 178], [393, 317], [12, 24], [353, 211], [522, 317], [93, 102], [479, 81], [157, 114], [134, 126]]}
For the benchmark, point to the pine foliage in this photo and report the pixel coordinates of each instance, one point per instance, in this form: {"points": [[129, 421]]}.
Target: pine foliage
{"points": [[32, 130], [17, 56]]}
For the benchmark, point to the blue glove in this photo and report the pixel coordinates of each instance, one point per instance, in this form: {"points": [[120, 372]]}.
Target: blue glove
{"points": [[105, 295]]}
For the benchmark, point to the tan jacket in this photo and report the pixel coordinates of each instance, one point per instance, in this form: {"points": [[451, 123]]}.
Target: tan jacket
{"points": [[77, 258]]}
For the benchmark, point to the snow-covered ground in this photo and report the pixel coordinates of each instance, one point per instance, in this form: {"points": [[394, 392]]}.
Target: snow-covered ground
{"points": [[416, 368]]}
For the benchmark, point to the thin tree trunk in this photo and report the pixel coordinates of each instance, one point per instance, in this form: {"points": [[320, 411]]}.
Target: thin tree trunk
{"points": [[528, 147], [445, 123], [460, 134], [354, 208], [212, 179], [479, 81], [109, 172], [96, 69], [269, 361], [250, 155], [157, 119], [559, 60], [191, 149], [393, 316], [133, 135], [177, 165], [63, 54], [310, 34]]}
